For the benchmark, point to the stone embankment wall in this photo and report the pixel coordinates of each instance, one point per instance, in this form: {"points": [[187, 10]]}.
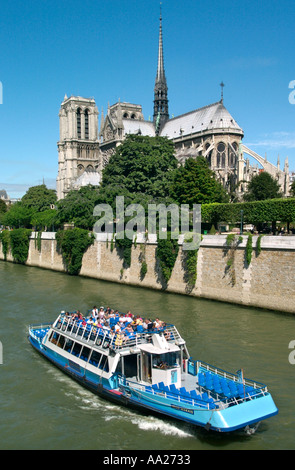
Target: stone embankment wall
{"points": [[267, 282]]}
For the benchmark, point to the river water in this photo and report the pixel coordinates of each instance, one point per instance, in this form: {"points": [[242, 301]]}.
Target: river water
{"points": [[41, 408]]}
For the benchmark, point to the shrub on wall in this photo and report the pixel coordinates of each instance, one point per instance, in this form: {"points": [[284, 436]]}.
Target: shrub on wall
{"points": [[73, 243], [249, 249], [167, 252], [190, 258], [19, 242], [5, 240]]}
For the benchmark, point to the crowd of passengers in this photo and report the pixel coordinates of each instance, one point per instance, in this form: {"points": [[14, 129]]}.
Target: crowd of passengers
{"points": [[120, 326]]}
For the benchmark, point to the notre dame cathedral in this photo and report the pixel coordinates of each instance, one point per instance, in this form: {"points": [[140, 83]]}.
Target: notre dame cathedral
{"points": [[84, 147]]}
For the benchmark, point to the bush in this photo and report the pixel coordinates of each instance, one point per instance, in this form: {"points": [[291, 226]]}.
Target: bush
{"points": [[19, 242], [167, 252], [73, 243]]}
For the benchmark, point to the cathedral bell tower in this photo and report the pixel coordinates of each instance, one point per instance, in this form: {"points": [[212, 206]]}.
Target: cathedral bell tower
{"points": [[78, 146], [161, 114]]}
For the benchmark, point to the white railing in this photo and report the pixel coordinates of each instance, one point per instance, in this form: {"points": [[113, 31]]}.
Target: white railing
{"points": [[98, 336], [178, 397]]}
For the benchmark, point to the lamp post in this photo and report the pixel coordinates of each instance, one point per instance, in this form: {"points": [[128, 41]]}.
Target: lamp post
{"points": [[241, 229]]}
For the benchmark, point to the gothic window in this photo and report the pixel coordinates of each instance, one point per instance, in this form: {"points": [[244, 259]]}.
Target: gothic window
{"points": [[86, 124], [221, 155], [209, 154], [80, 169], [232, 154], [79, 123], [125, 116]]}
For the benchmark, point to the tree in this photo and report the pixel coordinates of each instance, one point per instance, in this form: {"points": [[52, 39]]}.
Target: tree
{"points": [[142, 164], [262, 186], [39, 198], [77, 207], [195, 183], [17, 216], [3, 207]]}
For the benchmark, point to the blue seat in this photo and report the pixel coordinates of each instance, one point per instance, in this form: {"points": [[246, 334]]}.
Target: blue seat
{"points": [[194, 394], [161, 385], [184, 392]]}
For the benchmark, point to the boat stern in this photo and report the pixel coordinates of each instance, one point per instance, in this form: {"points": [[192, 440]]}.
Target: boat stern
{"points": [[243, 414]]}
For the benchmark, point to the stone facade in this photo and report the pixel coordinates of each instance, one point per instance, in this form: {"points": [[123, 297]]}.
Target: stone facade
{"points": [[268, 282], [78, 146]]}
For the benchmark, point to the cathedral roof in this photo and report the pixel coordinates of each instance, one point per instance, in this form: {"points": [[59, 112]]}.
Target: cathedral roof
{"points": [[209, 118], [134, 126], [88, 177]]}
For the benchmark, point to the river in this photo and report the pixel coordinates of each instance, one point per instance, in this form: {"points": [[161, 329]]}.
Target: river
{"points": [[41, 408]]}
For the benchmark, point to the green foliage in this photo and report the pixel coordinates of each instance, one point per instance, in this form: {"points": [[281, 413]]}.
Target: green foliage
{"points": [[142, 260], [258, 245], [249, 249], [44, 220], [34, 209], [253, 212], [3, 207], [39, 198], [19, 242], [166, 253], [5, 240], [262, 186], [142, 164], [232, 243], [195, 183], [190, 258], [17, 216], [77, 207], [73, 243]]}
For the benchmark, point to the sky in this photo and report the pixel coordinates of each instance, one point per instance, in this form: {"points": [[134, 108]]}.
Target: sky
{"points": [[108, 49]]}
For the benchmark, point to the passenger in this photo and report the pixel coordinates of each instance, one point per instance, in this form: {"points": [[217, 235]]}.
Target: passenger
{"points": [[106, 325], [119, 340], [95, 312], [101, 313], [150, 324], [128, 320], [118, 327], [129, 329], [112, 314]]}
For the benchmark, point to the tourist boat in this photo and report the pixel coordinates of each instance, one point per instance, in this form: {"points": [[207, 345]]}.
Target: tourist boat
{"points": [[152, 370]]}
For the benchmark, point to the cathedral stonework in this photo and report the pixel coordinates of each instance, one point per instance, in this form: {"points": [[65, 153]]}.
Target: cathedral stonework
{"points": [[210, 131]]}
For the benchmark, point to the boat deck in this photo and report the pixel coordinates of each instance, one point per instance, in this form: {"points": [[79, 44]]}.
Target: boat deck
{"points": [[99, 336]]}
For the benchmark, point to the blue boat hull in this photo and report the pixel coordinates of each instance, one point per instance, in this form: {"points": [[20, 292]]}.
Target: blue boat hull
{"points": [[226, 420]]}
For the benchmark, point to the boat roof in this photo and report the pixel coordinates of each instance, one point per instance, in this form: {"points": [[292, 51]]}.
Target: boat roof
{"points": [[150, 348]]}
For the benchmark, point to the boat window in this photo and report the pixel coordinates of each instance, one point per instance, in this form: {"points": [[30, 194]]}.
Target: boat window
{"points": [[130, 365], [85, 353], [99, 360], [77, 349], [68, 344], [171, 359], [54, 337], [96, 358]]}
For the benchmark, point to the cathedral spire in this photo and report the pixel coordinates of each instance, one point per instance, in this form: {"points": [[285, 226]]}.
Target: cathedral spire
{"points": [[161, 114]]}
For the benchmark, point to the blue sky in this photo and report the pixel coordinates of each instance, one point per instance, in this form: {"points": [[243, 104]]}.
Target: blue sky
{"points": [[108, 50]]}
